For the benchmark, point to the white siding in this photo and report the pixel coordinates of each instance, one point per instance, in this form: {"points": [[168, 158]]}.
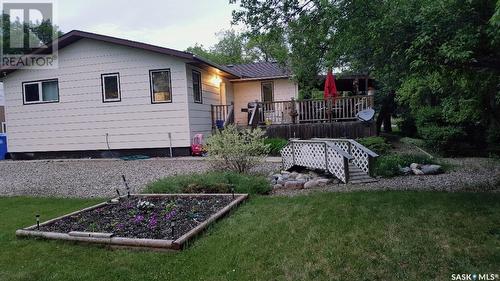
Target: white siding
{"points": [[200, 118], [245, 92], [81, 120], [2, 98]]}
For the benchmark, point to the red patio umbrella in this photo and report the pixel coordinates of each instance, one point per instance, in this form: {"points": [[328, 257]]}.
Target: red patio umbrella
{"points": [[330, 87]]}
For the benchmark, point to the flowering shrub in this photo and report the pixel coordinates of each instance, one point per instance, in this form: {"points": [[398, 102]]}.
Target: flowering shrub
{"points": [[237, 150]]}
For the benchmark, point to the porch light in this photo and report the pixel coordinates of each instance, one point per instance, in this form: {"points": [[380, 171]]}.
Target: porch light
{"points": [[216, 80]]}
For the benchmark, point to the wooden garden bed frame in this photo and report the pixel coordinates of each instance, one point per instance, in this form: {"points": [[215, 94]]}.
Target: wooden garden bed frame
{"points": [[134, 243]]}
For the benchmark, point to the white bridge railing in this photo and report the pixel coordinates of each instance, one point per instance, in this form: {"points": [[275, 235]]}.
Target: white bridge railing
{"points": [[332, 155], [362, 157]]}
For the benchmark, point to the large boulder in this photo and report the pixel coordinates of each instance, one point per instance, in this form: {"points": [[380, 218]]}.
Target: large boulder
{"points": [[294, 185], [310, 184], [322, 181], [431, 169]]}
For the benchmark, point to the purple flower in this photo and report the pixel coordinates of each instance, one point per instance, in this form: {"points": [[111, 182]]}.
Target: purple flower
{"points": [[170, 215], [138, 218], [120, 226], [152, 221]]}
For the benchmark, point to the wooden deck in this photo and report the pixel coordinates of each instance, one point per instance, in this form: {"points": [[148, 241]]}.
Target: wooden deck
{"points": [[348, 129], [303, 119]]}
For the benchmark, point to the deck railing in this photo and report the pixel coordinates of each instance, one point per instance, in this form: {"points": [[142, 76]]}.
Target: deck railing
{"points": [[311, 111], [299, 111], [222, 115]]}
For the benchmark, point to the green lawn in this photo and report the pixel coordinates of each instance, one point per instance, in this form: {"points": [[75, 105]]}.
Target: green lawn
{"points": [[328, 236]]}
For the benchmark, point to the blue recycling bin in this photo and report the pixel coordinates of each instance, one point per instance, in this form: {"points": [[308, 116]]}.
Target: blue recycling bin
{"points": [[3, 146]]}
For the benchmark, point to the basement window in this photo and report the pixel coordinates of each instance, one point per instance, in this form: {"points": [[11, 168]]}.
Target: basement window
{"points": [[197, 87], [161, 86], [110, 84], [44, 91]]}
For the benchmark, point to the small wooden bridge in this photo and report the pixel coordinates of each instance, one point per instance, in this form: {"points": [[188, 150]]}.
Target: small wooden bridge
{"points": [[346, 159]]}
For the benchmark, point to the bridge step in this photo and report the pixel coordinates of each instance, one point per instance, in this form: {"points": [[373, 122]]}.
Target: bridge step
{"points": [[358, 176]]}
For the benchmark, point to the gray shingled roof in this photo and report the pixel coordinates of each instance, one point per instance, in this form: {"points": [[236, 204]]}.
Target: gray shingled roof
{"points": [[260, 70]]}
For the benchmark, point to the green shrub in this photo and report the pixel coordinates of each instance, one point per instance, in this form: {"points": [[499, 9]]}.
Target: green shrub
{"points": [[208, 188], [237, 150], [407, 125], [275, 145], [211, 182], [441, 138], [428, 115], [376, 144], [388, 165]]}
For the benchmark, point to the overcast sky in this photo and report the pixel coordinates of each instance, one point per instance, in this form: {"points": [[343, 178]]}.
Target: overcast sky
{"points": [[168, 23]]}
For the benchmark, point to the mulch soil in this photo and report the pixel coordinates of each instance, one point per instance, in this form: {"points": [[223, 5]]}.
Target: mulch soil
{"points": [[166, 217]]}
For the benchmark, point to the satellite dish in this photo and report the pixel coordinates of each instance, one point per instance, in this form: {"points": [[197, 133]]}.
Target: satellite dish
{"points": [[366, 115]]}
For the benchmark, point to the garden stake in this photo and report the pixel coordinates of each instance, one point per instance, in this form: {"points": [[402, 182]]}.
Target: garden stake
{"points": [[37, 221], [126, 186], [172, 225], [118, 192], [232, 191]]}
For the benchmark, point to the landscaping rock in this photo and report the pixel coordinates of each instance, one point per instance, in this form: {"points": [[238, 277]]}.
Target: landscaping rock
{"points": [[414, 166], [431, 169], [405, 170], [294, 185], [322, 181], [310, 184], [277, 186], [417, 172]]}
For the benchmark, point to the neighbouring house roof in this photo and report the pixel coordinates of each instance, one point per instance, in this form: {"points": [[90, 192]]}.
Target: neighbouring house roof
{"points": [[75, 35], [260, 70]]}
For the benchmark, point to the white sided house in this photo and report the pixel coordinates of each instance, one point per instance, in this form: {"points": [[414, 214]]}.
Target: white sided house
{"points": [[114, 94]]}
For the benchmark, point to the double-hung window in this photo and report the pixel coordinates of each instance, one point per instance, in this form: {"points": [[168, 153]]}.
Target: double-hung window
{"points": [[161, 86], [44, 91], [110, 84], [197, 96]]}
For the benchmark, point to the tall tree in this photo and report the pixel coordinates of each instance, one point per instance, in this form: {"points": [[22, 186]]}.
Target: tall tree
{"points": [[443, 56], [238, 48], [40, 33]]}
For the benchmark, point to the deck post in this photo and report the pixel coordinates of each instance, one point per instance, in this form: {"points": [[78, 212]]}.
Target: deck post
{"points": [[371, 162], [330, 111], [346, 169], [213, 116], [293, 111]]}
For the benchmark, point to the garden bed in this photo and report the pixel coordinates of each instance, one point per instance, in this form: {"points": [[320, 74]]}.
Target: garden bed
{"points": [[158, 221]]}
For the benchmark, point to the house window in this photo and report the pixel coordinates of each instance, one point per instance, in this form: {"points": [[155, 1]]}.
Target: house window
{"points": [[267, 91], [197, 87], [110, 84], [161, 87], [41, 91]]}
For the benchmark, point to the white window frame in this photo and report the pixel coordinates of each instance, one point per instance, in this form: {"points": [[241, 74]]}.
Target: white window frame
{"points": [[4, 127], [103, 86], [40, 94], [196, 72]]}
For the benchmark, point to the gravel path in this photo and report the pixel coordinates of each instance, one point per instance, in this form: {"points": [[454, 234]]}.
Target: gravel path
{"points": [[467, 174], [93, 178]]}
